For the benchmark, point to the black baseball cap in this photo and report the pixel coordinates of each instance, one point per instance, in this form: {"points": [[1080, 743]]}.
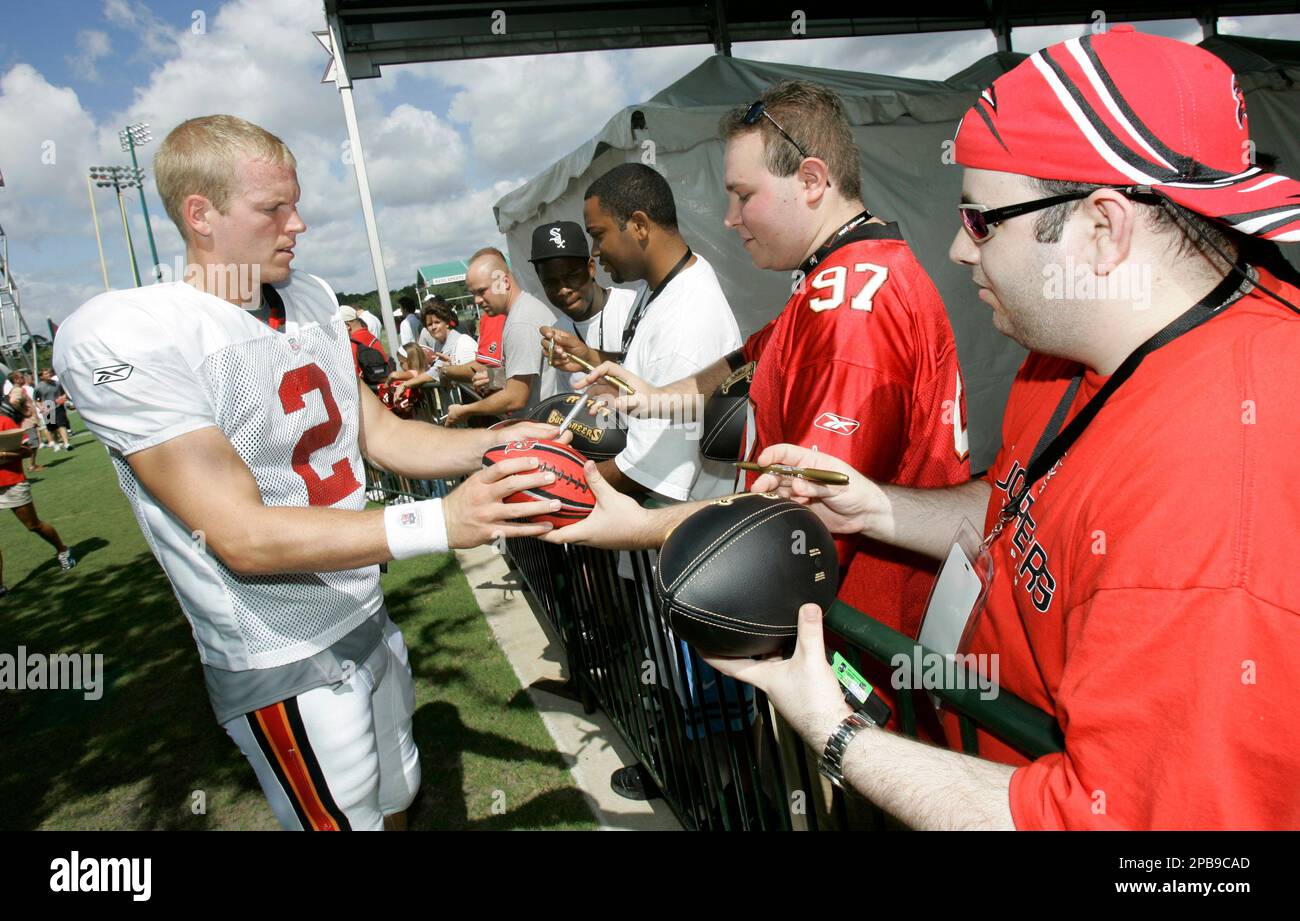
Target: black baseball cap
{"points": [[559, 238]]}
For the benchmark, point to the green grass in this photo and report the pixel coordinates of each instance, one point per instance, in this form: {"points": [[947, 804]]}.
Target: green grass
{"points": [[134, 758]]}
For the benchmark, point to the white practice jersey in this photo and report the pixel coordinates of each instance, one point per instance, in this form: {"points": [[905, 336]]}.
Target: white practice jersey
{"points": [[145, 365]]}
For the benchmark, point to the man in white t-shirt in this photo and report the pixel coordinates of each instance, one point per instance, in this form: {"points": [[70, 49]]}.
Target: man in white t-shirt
{"points": [[679, 323], [529, 377], [231, 411]]}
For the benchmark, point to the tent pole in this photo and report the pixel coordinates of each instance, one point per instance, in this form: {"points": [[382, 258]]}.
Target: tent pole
{"points": [[363, 183], [721, 37]]}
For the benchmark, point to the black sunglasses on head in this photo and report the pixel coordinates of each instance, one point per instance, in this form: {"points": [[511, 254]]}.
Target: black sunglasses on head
{"points": [[759, 110]]}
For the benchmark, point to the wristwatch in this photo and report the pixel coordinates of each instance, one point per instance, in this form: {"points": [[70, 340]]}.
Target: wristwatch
{"points": [[831, 765]]}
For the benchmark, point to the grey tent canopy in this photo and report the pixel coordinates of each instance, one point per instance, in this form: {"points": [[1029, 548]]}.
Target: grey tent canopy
{"points": [[903, 129]]}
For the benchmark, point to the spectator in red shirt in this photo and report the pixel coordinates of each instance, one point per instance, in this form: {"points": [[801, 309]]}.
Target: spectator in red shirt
{"points": [[16, 491], [368, 353], [1140, 512]]}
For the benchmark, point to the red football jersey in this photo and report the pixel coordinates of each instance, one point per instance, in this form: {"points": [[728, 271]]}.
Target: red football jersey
{"points": [[861, 363], [489, 340]]}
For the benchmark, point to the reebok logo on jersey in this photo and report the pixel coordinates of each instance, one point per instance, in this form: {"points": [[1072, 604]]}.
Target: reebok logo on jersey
{"points": [[840, 425], [111, 374]]}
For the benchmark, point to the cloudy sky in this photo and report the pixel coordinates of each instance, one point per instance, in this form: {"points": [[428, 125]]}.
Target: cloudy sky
{"points": [[443, 141]]}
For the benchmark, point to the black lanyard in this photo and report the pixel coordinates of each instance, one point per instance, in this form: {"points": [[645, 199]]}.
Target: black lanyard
{"points": [[604, 308], [1051, 446], [826, 248], [641, 306]]}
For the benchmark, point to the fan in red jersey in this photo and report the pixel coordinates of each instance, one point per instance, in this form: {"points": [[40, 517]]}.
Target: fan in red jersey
{"points": [[860, 364]]}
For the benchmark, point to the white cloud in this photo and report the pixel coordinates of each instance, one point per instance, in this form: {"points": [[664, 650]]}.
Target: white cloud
{"points": [[928, 56], [49, 140], [1278, 27], [92, 45], [412, 154], [649, 70], [525, 112], [155, 35]]}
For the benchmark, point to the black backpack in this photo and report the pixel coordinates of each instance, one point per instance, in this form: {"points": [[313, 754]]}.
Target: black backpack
{"points": [[374, 366]]}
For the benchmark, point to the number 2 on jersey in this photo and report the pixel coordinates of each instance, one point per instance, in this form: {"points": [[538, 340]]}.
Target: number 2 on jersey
{"points": [[835, 278], [295, 385]]}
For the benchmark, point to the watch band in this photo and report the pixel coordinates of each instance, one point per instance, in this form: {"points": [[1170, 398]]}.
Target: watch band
{"points": [[831, 765]]}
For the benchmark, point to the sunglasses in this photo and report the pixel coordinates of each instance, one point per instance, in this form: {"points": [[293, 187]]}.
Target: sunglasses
{"points": [[759, 110], [980, 220]]}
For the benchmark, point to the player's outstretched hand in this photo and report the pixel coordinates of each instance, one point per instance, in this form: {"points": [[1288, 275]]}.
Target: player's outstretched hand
{"points": [[618, 522], [477, 513], [802, 688], [843, 509]]}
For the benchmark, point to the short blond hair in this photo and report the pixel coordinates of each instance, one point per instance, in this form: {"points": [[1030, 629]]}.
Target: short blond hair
{"points": [[201, 156]]}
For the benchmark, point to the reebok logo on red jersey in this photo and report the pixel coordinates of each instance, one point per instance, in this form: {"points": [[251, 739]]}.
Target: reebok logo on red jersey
{"points": [[840, 425]]}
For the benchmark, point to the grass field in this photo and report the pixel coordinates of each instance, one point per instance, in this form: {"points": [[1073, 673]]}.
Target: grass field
{"points": [[135, 758]]}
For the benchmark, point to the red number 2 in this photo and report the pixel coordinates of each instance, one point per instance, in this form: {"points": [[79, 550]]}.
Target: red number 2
{"points": [[293, 387]]}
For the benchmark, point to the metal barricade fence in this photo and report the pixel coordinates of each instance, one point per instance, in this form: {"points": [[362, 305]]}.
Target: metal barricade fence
{"points": [[384, 486], [714, 746], [710, 743]]}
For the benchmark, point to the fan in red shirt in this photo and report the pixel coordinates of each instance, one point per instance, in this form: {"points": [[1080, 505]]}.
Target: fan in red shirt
{"points": [[1139, 514], [368, 355], [860, 363], [16, 491], [489, 340]]}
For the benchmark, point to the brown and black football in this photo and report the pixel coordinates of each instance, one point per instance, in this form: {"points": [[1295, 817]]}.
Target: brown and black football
{"points": [[597, 434], [725, 414], [733, 576]]}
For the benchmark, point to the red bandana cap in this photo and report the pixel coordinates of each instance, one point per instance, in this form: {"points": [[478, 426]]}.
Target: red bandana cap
{"points": [[1124, 108]]}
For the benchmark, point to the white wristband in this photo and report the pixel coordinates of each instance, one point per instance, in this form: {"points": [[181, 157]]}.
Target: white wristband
{"points": [[413, 528]]}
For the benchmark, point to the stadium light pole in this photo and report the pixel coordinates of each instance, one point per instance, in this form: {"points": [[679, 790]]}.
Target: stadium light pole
{"points": [[99, 240], [119, 178], [131, 136]]}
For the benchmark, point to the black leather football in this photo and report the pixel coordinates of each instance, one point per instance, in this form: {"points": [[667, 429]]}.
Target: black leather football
{"points": [[597, 434], [733, 576], [724, 416]]}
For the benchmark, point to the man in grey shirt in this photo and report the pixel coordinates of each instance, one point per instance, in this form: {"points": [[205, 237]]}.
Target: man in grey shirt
{"points": [[47, 393], [529, 375]]}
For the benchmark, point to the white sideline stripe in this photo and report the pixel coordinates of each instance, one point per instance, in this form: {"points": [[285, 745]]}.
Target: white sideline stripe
{"points": [[589, 743]]}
